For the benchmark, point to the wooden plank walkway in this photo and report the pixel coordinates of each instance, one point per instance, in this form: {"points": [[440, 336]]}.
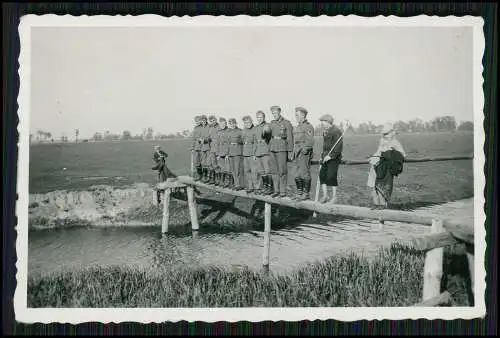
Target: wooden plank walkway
{"points": [[462, 229]]}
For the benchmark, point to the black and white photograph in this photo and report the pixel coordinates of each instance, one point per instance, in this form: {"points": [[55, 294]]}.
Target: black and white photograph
{"points": [[250, 168]]}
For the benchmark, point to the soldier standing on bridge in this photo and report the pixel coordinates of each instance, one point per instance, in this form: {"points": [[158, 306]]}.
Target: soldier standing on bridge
{"points": [[205, 147], [303, 150], [213, 130], [262, 155], [196, 149], [222, 153], [249, 159], [281, 147], [235, 154]]}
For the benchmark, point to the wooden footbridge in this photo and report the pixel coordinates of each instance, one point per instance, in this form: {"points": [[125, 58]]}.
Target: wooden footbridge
{"points": [[444, 230]]}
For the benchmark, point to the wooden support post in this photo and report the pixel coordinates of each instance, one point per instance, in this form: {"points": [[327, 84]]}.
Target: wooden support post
{"points": [[166, 214], [433, 268], [470, 260], [192, 209], [267, 235]]}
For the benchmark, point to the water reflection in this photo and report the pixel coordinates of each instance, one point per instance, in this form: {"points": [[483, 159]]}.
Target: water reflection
{"points": [[227, 246]]}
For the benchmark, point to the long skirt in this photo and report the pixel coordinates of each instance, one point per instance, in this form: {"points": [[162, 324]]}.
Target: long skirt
{"points": [[383, 189], [328, 173]]}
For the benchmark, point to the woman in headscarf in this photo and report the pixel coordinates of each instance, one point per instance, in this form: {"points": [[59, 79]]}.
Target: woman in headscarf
{"points": [[384, 165]]}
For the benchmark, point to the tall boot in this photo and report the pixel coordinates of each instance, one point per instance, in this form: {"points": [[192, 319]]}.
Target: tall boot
{"points": [[306, 188], [216, 179], [205, 175], [199, 173], [298, 191], [269, 185], [276, 187], [212, 178]]}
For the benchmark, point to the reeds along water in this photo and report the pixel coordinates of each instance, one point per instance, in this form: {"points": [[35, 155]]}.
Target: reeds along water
{"points": [[393, 278]]}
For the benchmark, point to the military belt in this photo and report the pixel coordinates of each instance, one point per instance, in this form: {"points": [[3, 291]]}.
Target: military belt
{"points": [[234, 143], [279, 138]]}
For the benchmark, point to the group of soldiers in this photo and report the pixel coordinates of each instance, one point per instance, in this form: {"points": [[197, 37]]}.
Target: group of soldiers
{"points": [[260, 151]]}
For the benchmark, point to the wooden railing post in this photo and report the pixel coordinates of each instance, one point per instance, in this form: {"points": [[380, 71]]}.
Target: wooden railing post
{"points": [[470, 260], [166, 204], [267, 235], [192, 209], [433, 268]]}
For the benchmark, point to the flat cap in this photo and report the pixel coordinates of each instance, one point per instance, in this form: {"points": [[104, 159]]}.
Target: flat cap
{"points": [[247, 118], [203, 117], [212, 118], [260, 112], [232, 120], [327, 118], [302, 110], [275, 108], [222, 119]]}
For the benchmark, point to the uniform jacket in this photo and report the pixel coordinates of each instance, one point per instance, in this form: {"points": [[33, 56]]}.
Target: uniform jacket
{"points": [[281, 136], [303, 136], [223, 142], [213, 134], [261, 140], [205, 137], [390, 160], [249, 141], [196, 135], [330, 137], [235, 142]]}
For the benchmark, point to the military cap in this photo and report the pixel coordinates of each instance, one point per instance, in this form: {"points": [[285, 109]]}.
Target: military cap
{"points": [[203, 117], [212, 117], [247, 118], [222, 119], [197, 117], [232, 120], [260, 112], [274, 108], [302, 110], [327, 118]]}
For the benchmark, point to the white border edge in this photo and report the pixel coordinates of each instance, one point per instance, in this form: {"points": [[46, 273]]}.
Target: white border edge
{"points": [[117, 315]]}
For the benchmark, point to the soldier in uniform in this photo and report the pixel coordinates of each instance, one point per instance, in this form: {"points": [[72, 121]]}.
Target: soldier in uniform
{"points": [[213, 130], [196, 149], [249, 159], [281, 147], [235, 154], [262, 155], [303, 137], [205, 147], [222, 153]]}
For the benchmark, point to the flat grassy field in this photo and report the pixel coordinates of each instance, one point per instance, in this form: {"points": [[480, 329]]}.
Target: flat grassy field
{"points": [[393, 278], [123, 163]]}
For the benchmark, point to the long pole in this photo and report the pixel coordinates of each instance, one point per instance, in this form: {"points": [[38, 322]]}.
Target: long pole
{"points": [[316, 197]]}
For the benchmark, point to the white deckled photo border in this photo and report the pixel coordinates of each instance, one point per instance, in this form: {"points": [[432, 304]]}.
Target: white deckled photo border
{"points": [[149, 315]]}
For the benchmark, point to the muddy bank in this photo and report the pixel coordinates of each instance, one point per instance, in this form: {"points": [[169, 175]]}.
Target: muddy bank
{"points": [[104, 205]]}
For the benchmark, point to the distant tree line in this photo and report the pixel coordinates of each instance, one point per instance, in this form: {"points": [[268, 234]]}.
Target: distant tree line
{"points": [[417, 125]]}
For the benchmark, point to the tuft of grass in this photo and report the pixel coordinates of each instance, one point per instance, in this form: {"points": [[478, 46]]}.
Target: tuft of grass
{"points": [[394, 277]]}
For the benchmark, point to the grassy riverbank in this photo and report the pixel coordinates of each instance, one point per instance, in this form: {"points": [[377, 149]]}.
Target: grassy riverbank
{"points": [[393, 278]]}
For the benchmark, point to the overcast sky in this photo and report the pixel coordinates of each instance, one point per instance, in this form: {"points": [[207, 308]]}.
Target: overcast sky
{"points": [[116, 79]]}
